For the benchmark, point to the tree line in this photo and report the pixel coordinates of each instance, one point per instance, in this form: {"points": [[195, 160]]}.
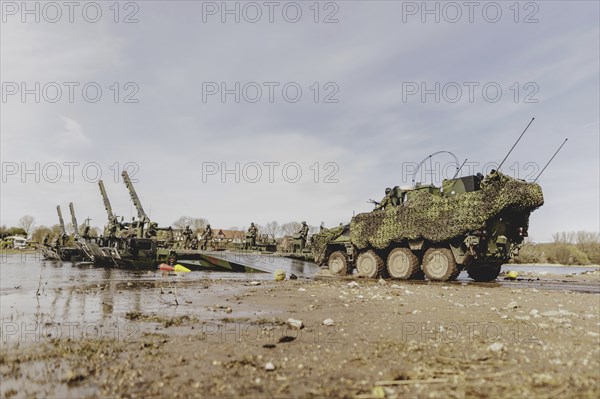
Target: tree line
{"points": [[567, 248]]}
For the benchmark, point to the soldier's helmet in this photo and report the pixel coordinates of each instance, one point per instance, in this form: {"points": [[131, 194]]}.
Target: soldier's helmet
{"points": [[303, 222], [207, 226], [252, 224], [388, 190], [187, 227]]}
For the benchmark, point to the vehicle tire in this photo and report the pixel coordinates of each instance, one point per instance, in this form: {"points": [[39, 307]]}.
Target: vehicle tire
{"points": [[402, 264], [439, 264], [338, 263], [484, 273], [369, 264]]}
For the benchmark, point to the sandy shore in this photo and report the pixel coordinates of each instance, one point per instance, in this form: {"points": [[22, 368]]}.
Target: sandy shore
{"points": [[358, 339]]}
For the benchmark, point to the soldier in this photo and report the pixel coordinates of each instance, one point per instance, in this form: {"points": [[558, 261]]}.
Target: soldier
{"points": [[152, 230], [396, 196], [251, 235], [64, 239], [86, 231], [46, 240], [187, 235], [490, 179], [206, 237], [303, 235], [113, 225], [385, 201]]}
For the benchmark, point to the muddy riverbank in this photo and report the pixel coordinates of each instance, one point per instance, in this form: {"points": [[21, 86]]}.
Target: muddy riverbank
{"points": [[230, 338]]}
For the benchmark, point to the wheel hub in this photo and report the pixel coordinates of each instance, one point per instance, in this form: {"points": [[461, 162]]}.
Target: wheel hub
{"points": [[366, 265], [398, 265], [438, 265], [336, 265]]}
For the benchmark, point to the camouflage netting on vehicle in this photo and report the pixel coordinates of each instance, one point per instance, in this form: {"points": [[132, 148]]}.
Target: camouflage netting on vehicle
{"points": [[319, 241], [439, 218]]}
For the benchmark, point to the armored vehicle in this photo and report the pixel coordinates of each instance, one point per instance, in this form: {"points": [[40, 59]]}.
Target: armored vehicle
{"points": [[130, 245], [59, 249], [471, 223]]}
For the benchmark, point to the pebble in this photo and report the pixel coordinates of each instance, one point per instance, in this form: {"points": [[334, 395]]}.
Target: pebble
{"points": [[297, 324], [352, 284], [270, 366], [328, 322], [254, 282], [496, 347], [301, 289], [512, 305]]}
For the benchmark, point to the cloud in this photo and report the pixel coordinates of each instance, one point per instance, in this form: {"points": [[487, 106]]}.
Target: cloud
{"points": [[72, 136], [369, 133]]}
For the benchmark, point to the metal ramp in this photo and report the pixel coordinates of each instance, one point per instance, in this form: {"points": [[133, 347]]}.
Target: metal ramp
{"points": [[250, 262]]}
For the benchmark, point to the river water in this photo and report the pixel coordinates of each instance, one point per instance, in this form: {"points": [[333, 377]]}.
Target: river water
{"points": [[35, 292]]}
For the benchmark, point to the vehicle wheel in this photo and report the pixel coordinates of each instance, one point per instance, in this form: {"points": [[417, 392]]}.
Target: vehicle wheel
{"points": [[402, 263], [484, 272], [369, 264], [337, 263], [439, 264]]}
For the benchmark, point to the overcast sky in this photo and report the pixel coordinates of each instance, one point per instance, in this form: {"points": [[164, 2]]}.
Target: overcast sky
{"points": [[352, 102]]}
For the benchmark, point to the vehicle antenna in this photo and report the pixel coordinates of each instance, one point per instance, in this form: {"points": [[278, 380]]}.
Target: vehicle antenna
{"points": [[561, 146], [515, 144], [458, 170]]}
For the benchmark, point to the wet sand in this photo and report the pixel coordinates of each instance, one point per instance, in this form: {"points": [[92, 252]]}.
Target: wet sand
{"points": [[228, 338]]}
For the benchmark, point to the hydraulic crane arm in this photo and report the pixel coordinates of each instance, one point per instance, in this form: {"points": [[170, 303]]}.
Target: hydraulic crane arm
{"points": [[107, 206], [134, 197], [74, 219], [60, 220]]}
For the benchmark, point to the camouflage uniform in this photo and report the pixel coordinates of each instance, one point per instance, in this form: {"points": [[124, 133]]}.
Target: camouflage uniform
{"points": [[303, 235], [187, 234], [206, 237], [387, 200], [396, 196], [113, 226], [252, 233]]}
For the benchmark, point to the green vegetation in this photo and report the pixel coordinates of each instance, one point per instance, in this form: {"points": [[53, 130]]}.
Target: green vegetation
{"points": [[568, 248]]}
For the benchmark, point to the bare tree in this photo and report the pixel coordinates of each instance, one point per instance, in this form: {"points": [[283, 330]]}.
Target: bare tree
{"points": [[27, 222], [287, 229], [273, 228], [196, 224]]}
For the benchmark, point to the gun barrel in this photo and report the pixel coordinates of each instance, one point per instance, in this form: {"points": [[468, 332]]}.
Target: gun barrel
{"points": [[73, 219]]}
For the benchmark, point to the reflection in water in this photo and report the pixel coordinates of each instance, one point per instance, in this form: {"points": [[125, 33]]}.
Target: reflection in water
{"points": [[83, 293]]}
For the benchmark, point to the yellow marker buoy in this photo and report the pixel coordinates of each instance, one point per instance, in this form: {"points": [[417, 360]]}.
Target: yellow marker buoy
{"points": [[181, 268], [279, 275], [512, 275]]}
